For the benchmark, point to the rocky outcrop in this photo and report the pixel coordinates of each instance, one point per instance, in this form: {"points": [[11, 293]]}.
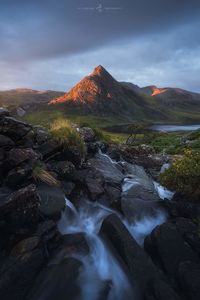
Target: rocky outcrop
{"points": [[143, 272]]}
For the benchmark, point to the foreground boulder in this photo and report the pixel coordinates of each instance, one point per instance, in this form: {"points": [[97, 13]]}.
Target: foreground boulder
{"points": [[142, 270], [173, 255], [20, 209], [58, 281], [14, 128]]}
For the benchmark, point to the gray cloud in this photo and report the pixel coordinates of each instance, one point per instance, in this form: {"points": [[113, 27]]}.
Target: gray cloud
{"points": [[56, 42]]}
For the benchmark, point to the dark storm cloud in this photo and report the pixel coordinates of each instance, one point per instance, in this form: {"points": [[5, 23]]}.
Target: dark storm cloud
{"points": [[42, 37], [41, 29]]}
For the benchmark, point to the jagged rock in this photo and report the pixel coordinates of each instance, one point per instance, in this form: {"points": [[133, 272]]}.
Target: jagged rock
{"points": [[92, 180], [20, 209], [16, 156], [189, 278], [4, 112], [168, 249], [68, 187], [19, 175], [6, 142], [52, 200], [41, 135], [64, 169], [139, 196], [87, 134], [58, 281], [142, 270], [49, 149], [109, 171], [25, 246], [14, 128], [18, 273]]}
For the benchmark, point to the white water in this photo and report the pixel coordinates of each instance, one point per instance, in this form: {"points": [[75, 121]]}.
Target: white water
{"points": [[101, 269], [100, 266]]}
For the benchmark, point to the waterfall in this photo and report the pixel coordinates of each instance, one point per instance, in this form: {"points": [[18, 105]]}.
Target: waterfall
{"points": [[100, 266], [102, 276]]}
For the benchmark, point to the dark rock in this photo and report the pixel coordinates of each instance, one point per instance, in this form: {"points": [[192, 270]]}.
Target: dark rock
{"points": [[92, 180], [58, 281], [64, 169], [87, 134], [114, 195], [2, 154], [49, 149], [16, 156], [18, 176], [25, 246], [190, 232], [75, 244], [189, 278], [139, 196], [67, 187], [18, 272], [52, 200], [110, 172], [13, 128], [6, 142], [20, 209], [41, 135], [185, 209], [92, 148], [142, 270], [168, 249], [159, 290], [4, 112]]}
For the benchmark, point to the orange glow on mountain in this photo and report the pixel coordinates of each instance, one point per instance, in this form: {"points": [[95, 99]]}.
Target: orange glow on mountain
{"points": [[157, 91]]}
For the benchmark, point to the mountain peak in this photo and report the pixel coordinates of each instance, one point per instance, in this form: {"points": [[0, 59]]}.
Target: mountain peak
{"points": [[101, 72]]}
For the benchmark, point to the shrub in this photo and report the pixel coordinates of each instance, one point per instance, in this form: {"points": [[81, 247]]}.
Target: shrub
{"points": [[39, 173], [63, 133], [184, 174]]}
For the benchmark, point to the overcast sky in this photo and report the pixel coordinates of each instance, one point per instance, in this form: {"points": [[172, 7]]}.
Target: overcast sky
{"points": [[52, 44]]}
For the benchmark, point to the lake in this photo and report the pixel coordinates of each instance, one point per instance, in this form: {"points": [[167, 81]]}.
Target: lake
{"points": [[173, 128]]}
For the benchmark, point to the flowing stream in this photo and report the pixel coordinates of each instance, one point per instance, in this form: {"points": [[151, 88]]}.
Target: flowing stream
{"points": [[102, 271]]}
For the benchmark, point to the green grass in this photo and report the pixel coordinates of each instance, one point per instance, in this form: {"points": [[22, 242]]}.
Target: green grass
{"points": [[67, 136]]}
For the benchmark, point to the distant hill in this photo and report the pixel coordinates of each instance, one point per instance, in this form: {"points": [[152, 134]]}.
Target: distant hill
{"points": [[101, 95], [26, 97]]}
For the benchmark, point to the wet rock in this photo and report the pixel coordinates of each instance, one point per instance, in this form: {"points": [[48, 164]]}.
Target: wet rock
{"points": [[142, 270], [52, 200], [94, 182], [75, 244], [108, 170], [64, 169], [6, 142], [87, 134], [58, 281], [14, 128], [168, 249], [68, 187], [139, 196]]}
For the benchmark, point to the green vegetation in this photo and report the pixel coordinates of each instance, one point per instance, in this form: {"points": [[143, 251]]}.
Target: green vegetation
{"points": [[39, 173], [43, 118], [184, 174], [63, 133]]}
